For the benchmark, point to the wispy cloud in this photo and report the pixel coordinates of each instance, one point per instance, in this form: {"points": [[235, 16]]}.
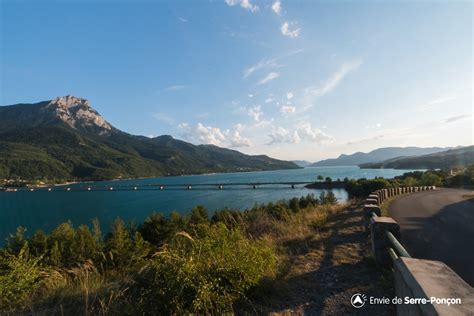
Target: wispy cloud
{"points": [[264, 63], [276, 7], [162, 117], [310, 94], [287, 109], [255, 112], [435, 102], [457, 118], [174, 88], [181, 19], [246, 4], [271, 76], [285, 30], [269, 63]]}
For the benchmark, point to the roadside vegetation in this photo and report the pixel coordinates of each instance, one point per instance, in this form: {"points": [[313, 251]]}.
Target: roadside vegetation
{"points": [[461, 177], [166, 265]]}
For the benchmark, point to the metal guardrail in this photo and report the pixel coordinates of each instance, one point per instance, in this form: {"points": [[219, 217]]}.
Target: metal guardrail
{"points": [[400, 250], [385, 230]]}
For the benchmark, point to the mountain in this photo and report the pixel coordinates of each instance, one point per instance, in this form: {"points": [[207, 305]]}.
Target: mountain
{"points": [[301, 163], [376, 155], [463, 156], [67, 139]]}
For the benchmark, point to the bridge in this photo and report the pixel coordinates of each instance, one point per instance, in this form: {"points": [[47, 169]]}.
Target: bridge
{"points": [[164, 186]]}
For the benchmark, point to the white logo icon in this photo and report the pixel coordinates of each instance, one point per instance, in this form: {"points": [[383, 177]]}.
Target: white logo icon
{"points": [[358, 300]]}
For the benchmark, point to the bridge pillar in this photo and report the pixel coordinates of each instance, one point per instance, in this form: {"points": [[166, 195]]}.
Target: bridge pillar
{"points": [[380, 243]]}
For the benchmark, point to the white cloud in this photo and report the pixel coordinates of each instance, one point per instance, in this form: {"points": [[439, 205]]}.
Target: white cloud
{"points": [[282, 135], [313, 135], [255, 113], [182, 19], [246, 4], [285, 30], [271, 76], [269, 100], [264, 63], [200, 133], [286, 109], [175, 88], [236, 139], [250, 95], [435, 103], [303, 133], [267, 63], [457, 118], [312, 93], [276, 7], [290, 95]]}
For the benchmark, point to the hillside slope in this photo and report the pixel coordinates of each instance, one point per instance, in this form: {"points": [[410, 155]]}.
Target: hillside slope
{"points": [[443, 160], [376, 155], [66, 139]]}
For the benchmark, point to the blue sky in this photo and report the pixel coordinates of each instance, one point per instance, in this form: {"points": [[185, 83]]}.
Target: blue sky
{"points": [[291, 79]]}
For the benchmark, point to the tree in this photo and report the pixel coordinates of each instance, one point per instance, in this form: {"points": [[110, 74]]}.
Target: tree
{"points": [[118, 244], [17, 241], [63, 236], [328, 180], [155, 229], [38, 243], [331, 198], [431, 178], [198, 215], [320, 178], [84, 245]]}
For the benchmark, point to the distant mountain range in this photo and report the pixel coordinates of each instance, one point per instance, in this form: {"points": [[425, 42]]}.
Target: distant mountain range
{"points": [[463, 156], [377, 155], [66, 138], [302, 163]]}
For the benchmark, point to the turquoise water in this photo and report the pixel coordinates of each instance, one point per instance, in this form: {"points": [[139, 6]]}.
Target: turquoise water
{"points": [[45, 210]]}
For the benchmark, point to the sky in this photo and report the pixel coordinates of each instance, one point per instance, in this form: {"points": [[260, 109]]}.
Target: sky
{"points": [[291, 79]]}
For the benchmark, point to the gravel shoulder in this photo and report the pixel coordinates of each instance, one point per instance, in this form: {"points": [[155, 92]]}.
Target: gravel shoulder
{"points": [[322, 279]]}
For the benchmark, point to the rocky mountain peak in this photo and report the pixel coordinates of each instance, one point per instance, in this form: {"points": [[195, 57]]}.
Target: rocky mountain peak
{"points": [[69, 101], [77, 113]]}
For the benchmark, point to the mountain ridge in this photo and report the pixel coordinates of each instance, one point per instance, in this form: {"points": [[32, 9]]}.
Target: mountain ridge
{"points": [[377, 155], [456, 157], [65, 138]]}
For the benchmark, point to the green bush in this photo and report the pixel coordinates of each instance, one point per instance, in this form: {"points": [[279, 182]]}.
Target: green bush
{"points": [[19, 279], [203, 275]]}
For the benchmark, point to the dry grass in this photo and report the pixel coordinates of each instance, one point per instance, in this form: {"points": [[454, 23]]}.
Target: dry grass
{"points": [[80, 290], [323, 260]]}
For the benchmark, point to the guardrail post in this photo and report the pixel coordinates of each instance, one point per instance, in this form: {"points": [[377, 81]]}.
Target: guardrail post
{"points": [[378, 226], [371, 201], [368, 210], [374, 197]]}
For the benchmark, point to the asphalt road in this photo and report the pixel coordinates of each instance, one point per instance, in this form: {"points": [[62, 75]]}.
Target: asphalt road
{"points": [[439, 225]]}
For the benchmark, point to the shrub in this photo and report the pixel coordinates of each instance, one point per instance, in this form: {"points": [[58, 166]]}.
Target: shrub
{"points": [[19, 278], [203, 275]]}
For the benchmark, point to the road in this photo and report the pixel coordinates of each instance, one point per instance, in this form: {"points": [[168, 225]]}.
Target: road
{"points": [[439, 225]]}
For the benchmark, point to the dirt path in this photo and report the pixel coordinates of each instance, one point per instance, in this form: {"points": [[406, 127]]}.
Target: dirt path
{"points": [[335, 265]]}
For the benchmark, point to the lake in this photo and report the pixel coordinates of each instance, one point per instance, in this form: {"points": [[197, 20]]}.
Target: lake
{"points": [[45, 210]]}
